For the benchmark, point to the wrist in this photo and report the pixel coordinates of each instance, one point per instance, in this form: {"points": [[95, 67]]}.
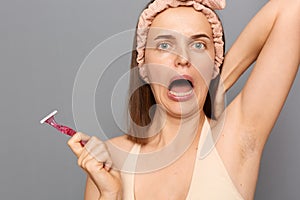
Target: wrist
{"points": [[111, 196]]}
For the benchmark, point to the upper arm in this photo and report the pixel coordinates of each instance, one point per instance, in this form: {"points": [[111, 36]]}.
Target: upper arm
{"points": [[267, 88]]}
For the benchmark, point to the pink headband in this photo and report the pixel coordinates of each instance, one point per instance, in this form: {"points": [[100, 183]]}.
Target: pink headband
{"points": [[204, 6]]}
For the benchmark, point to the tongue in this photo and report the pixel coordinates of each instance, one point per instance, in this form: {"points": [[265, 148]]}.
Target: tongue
{"points": [[181, 87]]}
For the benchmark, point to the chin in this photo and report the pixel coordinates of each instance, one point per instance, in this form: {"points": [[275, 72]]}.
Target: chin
{"points": [[182, 109]]}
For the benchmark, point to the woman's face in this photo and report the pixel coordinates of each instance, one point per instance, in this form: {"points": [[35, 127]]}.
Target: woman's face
{"points": [[179, 59]]}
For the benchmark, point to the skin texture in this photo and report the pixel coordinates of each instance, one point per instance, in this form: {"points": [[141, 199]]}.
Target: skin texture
{"points": [[272, 39]]}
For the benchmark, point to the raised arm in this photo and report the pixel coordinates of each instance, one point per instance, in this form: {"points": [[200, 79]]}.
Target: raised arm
{"points": [[267, 88], [272, 38], [244, 52], [248, 45]]}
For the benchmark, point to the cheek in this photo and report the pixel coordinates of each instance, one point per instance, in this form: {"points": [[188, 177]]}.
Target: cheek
{"points": [[159, 74], [158, 67], [204, 66], [153, 56]]}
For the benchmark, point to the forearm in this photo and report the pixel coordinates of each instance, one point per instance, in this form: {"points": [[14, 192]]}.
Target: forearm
{"points": [[249, 44]]}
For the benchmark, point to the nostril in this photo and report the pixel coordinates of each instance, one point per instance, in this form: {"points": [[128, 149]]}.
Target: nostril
{"points": [[182, 61]]}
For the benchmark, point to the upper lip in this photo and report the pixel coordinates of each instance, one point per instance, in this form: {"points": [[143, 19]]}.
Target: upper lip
{"points": [[185, 76]]}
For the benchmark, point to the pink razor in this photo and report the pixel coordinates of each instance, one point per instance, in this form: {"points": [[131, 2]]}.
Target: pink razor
{"points": [[49, 119]]}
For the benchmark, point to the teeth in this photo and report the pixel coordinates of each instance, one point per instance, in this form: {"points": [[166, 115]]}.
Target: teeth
{"points": [[181, 94]]}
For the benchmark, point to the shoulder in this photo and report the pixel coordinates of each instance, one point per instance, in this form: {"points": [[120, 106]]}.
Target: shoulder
{"points": [[121, 142], [119, 148]]}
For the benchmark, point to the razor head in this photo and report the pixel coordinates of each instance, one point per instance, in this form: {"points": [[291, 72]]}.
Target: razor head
{"points": [[48, 116]]}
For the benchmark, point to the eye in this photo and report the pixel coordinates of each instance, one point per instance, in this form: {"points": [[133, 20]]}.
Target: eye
{"points": [[199, 45], [164, 46]]}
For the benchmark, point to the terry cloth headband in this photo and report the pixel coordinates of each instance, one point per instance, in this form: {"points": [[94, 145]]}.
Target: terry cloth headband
{"points": [[204, 6]]}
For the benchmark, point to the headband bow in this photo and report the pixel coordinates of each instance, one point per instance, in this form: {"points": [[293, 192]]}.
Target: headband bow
{"points": [[212, 4]]}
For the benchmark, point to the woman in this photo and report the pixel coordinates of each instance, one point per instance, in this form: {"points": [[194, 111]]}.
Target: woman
{"points": [[179, 56]]}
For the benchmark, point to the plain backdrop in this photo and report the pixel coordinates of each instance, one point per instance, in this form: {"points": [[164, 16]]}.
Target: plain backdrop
{"points": [[42, 46]]}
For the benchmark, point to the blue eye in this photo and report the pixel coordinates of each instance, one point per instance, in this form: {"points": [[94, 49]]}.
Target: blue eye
{"points": [[164, 46], [199, 45]]}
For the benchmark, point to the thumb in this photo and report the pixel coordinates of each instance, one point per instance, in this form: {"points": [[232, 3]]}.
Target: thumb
{"points": [[75, 142]]}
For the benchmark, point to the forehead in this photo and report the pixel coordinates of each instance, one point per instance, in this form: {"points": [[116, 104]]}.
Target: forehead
{"points": [[183, 20]]}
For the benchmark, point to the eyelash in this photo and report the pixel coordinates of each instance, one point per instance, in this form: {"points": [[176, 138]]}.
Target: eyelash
{"points": [[159, 46], [203, 46]]}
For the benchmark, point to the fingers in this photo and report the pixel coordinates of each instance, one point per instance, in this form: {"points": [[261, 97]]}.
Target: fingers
{"points": [[107, 182], [95, 160], [219, 102], [75, 142], [89, 163], [94, 147], [98, 150]]}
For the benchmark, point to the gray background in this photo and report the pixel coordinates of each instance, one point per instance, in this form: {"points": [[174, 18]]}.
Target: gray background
{"points": [[42, 45]]}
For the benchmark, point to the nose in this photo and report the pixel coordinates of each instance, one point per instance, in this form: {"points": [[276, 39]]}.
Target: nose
{"points": [[182, 59]]}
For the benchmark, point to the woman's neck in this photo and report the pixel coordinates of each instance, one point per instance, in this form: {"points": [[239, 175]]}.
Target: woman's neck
{"points": [[165, 128]]}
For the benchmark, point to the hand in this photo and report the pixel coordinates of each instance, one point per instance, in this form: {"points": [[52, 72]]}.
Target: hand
{"points": [[219, 101], [95, 160]]}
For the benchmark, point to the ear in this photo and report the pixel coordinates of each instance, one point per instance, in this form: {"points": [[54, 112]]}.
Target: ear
{"points": [[143, 73]]}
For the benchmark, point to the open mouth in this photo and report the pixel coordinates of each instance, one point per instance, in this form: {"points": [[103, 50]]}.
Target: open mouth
{"points": [[181, 88]]}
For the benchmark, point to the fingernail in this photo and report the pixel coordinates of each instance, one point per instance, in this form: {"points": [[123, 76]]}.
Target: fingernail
{"points": [[78, 136], [107, 168]]}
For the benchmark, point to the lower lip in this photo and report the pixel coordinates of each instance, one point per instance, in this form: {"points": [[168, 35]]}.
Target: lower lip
{"points": [[180, 98]]}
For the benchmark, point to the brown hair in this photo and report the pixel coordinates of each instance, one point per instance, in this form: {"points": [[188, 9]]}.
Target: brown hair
{"points": [[142, 99]]}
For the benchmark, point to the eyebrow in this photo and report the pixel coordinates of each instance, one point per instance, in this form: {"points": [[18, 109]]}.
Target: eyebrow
{"points": [[201, 35], [171, 37]]}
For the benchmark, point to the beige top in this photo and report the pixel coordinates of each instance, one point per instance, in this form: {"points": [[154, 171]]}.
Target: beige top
{"points": [[210, 178]]}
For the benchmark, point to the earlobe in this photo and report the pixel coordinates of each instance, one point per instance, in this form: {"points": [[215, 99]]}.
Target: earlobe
{"points": [[143, 73]]}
